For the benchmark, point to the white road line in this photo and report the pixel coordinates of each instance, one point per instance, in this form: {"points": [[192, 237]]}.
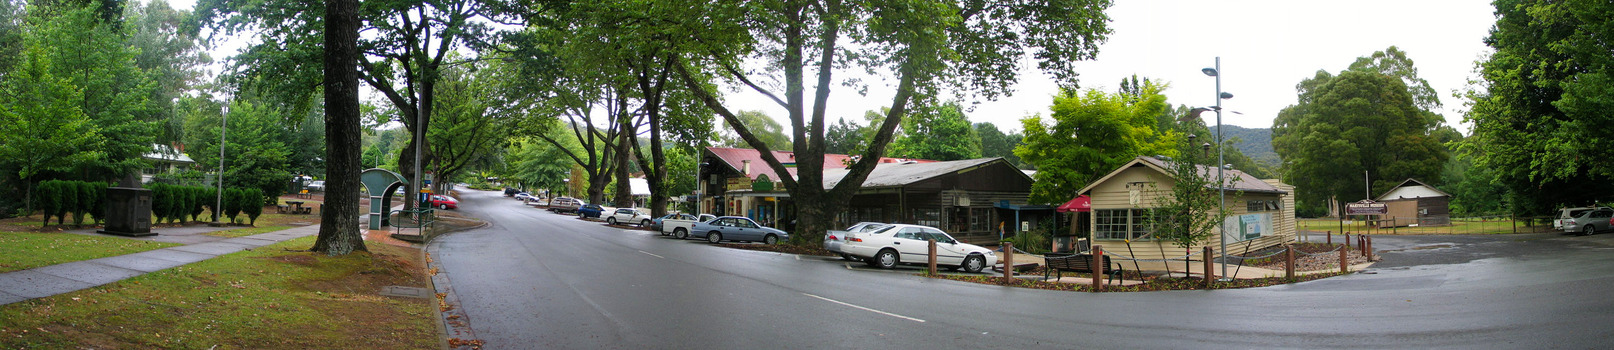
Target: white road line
{"points": [[866, 309], [648, 253]]}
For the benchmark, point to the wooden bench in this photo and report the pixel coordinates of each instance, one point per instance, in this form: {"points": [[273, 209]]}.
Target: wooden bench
{"points": [[1055, 265], [282, 208]]}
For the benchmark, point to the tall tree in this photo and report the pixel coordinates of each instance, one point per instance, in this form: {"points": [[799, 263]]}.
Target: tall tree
{"points": [[995, 143], [41, 127], [1362, 120], [339, 231], [846, 137], [90, 54], [972, 46], [466, 131], [169, 54], [1090, 134], [762, 126], [1544, 101], [938, 132]]}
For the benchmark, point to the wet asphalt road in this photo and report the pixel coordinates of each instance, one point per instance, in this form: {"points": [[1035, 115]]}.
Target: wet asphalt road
{"points": [[536, 280]]}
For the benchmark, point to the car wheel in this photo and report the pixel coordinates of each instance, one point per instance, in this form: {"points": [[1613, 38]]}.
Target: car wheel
{"points": [[442, 206], [885, 259], [644, 223], [973, 264], [714, 237], [611, 221], [1589, 230], [770, 240], [580, 216], [681, 233]]}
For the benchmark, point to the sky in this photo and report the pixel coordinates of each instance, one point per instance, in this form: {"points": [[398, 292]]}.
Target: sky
{"points": [[1265, 48]]}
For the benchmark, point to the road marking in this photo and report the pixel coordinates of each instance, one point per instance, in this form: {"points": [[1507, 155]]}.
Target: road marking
{"points": [[648, 253], [798, 258], [866, 309]]}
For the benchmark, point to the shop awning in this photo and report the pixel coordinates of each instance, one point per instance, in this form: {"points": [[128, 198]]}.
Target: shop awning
{"points": [[1080, 203]]}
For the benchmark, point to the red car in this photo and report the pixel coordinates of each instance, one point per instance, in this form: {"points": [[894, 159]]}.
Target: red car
{"points": [[444, 202]]}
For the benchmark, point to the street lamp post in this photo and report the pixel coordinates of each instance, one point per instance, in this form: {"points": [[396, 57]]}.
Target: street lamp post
{"points": [[1221, 183], [224, 123]]}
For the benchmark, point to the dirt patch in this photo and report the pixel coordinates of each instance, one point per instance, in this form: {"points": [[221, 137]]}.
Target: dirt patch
{"points": [[298, 259], [1308, 257]]}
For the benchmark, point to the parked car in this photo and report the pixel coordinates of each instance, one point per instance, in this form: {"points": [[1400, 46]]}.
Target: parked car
{"points": [[655, 224], [590, 211], [629, 215], [680, 227], [736, 228], [1568, 214], [444, 202], [1589, 222], [523, 196], [565, 204], [510, 192], [906, 244], [316, 186], [833, 239]]}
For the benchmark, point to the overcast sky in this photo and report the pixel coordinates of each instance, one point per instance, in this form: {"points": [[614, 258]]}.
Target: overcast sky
{"points": [[1266, 47]]}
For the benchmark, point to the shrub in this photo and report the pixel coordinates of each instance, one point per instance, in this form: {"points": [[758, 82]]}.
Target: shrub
{"points": [[47, 199], [97, 209], [252, 202], [200, 196], [159, 201], [86, 200], [232, 203], [66, 200]]}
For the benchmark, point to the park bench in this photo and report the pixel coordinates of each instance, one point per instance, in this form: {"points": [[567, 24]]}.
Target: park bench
{"points": [[1054, 265], [282, 208]]}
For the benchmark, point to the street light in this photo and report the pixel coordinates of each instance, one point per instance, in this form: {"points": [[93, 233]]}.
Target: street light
{"points": [[224, 122], [1221, 182]]}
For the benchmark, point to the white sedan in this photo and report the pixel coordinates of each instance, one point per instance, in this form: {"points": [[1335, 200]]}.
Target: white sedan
{"points": [[906, 244], [629, 216]]}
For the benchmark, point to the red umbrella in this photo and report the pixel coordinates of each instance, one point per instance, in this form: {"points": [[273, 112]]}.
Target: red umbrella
{"points": [[1080, 203]]}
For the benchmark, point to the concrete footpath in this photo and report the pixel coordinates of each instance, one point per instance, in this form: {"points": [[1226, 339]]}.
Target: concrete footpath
{"points": [[68, 277]]}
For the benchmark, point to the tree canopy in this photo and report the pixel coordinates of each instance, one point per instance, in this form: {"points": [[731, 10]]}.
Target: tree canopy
{"points": [[1541, 112], [1362, 120], [937, 132], [1090, 134]]}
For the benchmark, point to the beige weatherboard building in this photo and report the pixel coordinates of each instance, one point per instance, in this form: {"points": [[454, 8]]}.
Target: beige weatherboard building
{"points": [[1261, 212]]}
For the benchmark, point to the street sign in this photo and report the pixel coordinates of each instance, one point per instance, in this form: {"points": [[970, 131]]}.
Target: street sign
{"points": [[1366, 207]]}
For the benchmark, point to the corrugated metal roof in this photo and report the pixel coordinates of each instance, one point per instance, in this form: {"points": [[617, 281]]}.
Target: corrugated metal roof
{"points": [[1234, 179], [900, 174], [735, 159]]}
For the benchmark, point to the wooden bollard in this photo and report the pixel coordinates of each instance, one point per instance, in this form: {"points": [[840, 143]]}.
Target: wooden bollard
{"points": [[1210, 272], [1330, 236], [1361, 244], [1288, 261], [1008, 259], [932, 256], [1347, 239], [1343, 268], [1369, 248], [1098, 269]]}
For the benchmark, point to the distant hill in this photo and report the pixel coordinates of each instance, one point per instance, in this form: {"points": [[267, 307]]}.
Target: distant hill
{"points": [[1255, 143]]}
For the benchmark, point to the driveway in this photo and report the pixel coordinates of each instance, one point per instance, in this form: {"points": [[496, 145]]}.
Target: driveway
{"points": [[538, 280]]}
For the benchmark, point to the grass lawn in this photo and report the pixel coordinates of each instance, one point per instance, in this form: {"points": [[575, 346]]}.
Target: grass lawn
{"points": [[266, 298], [26, 250], [1459, 226]]}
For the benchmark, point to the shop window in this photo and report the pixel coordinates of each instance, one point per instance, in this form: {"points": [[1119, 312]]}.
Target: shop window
{"points": [[1122, 224], [980, 219], [927, 217]]}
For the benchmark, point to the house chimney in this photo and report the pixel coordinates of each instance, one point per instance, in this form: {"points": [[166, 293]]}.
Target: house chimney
{"points": [[745, 167]]}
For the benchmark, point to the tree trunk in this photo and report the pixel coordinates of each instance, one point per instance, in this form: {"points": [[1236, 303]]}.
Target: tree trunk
{"points": [[624, 142], [339, 230]]}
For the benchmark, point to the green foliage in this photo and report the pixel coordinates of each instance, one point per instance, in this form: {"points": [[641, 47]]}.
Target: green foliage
{"points": [[66, 199], [97, 208], [252, 202], [200, 197], [48, 200], [232, 203], [995, 143], [1361, 120], [761, 125], [1090, 134], [42, 128], [91, 56], [1541, 114], [1191, 211], [937, 133], [1037, 241], [848, 136]]}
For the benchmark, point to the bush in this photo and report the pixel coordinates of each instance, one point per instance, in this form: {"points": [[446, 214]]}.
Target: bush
{"points": [[232, 203], [48, 203], [1035, 241], [97, 209], [252, 203], [200, 196], [67, 200], [159, 201], [86, 201]]}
